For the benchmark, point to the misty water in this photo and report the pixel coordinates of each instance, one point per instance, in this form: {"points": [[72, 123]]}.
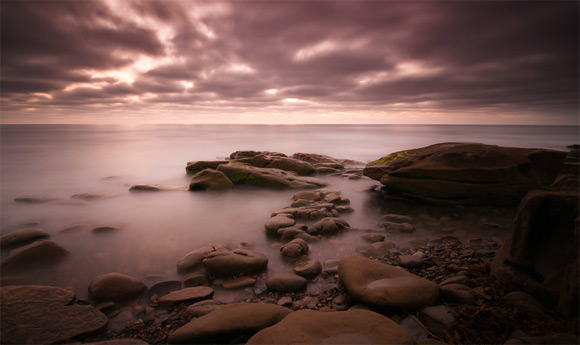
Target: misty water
{"points": [[157, 229]]}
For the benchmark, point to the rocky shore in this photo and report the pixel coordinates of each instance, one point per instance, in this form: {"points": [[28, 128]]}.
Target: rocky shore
{"points": [[399, 289]]}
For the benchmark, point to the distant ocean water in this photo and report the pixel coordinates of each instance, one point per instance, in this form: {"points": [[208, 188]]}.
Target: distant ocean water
{"points": [[159, 228]]}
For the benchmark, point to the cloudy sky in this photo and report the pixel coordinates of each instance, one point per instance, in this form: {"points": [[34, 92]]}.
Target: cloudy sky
{"points": [[139, 61]]}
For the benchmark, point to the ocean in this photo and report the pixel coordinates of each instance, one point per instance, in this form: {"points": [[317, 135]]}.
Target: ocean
{"points": [[157, 229]]}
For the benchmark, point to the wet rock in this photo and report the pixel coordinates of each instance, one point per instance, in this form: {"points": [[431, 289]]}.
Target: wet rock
{"points": [[204, 307], [105, 229], [523, 302], [307, 195], [341, 302], [240, 173], [373, 237], [195, 279], [75, 228], [229, 322], [144, 187], [460, 279], [250, 153], [34, 199], [195, 257], [457, 293], [45, 315], [22, 236], [392, 227], [294, 249], [466, 172], [397, 218], [341, 327], [35, 254], [91, 196], [288, 234], [286, 282], [344, 209], [161, 289], [239, 282], [330, 226], [438, 319], [289, 164], [278, 222], [375, 250], [308, 302], [193, 168], [210, 179], [187, 295], [115, 287], [384, 285], [318, 159], [234, 263], [410, 261], [307, 268]]}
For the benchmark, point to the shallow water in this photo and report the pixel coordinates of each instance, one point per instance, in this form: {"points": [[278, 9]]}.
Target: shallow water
{"points": [[157, 229]]}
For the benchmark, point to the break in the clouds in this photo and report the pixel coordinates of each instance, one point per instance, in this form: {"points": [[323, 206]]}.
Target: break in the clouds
{"points": [[290, 62]]}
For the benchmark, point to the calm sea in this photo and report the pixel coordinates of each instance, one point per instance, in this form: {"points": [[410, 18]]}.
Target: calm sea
{"points": [[157, 229]]}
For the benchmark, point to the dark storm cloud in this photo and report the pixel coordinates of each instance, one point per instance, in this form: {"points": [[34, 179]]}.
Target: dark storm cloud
{"points": [[512, 55]]}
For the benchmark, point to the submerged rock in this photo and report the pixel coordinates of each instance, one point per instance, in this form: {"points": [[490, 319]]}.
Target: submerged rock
{"points": [[341, 327], [35, 254], [229, 322], [330, 225], [194, 167], [384, 285], [294, 249], [45, 315], [144, 187], [187, 296], [210, 179], [195, 257], [438, 319], [22, 236], [286, 282], [240, 173], [116, 287], [466, 172]]}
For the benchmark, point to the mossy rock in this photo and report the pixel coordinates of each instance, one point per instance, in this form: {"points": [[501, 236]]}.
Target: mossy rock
{"points": [[210, 179]]}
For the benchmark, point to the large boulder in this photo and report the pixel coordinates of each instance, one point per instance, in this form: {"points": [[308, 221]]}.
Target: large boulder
{"points": [[466, 172], [228, 323], [22, 236], [341, 327], [245, 174], [45, 315], [541, 254], [234, 263], [384, 285], [210, 179], [116, 287], [35, 254]]}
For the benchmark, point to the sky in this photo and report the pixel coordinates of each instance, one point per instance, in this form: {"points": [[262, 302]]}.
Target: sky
{"points": [[290, 62]]}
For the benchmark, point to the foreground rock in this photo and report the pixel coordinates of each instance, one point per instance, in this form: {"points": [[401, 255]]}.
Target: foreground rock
{"points": [[245, 174], [384, 285], [541, 254], [45, 315], [41, 252], [115, 287], [234, 263], [286, 282], [345, 327], [229, 322], [210, 179], [22, 236], [467, 172]]}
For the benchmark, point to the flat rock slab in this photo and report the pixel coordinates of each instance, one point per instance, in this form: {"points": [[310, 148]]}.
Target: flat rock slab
{"points": [[116, 287], [471, 172], [22, 236], [204, 307], [341, 327], [187, 295], [42, 315], [438, 319], [384, 285], [194, 257], [234, 263], [229, 322]]}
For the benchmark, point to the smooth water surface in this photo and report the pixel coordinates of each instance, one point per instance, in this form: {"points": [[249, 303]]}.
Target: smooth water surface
{"points": [[157, 229]]}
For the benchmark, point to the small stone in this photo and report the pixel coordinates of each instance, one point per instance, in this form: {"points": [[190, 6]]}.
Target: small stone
{"points": [[196, 279], [330, 226], [307, 195], [278, 222], [416, 330], [105, 229], [240, 282], [455, 280], [286, 282], [523, 302], [397, 218], [410, 261], [204, 307], [457, 293], [294, 249], [341, 302], [308, 268], [373, 237], [438, 319], [285, 301], [115, 287], [393, 227], [187, 295], [376, 250]]}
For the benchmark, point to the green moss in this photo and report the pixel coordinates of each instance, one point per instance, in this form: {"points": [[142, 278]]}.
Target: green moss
{"points": [[390, 158]]}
